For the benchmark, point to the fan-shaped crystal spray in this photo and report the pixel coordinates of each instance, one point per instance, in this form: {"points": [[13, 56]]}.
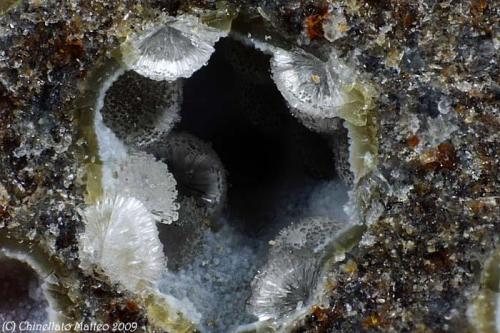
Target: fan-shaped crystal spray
{"points": [[171, 50], [196, 167], [121, 239], [139, 110], [320, 89], [136, 174], [285, 284], [288, 280], [149, 180]]}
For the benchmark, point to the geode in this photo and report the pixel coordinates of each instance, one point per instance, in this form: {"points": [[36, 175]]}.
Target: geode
{"points": [[249, 166]]}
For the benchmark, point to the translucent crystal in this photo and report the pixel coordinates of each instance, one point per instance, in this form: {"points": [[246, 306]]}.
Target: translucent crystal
{"points": [[444, 105], [289, 279], [121, 239], [285, 284], [335, 25], [143, 177], [363, 148], [320, 89], [172, 50], [439, 129], [196, 167], [139, 110]]}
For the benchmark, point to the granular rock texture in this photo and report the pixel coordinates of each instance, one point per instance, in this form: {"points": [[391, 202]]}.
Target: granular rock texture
{"points": [[420, 260], [45, 52], [430, 205]]}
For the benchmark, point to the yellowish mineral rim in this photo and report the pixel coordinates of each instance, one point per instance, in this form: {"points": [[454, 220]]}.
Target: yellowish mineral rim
{"points": [[363, 148], [360, 121], [163, 316], [343, 243], [484, 307], [361, 97], [84, 109], [221, 18]]}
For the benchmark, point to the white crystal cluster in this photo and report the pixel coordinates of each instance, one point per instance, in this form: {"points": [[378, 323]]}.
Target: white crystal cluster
{"points": [[319, 90], [136, 174], [288, 281], [121, 238], [143, 177], [145, 165], [321, 86], [310, 84], [173, 49], [322, 91], [285, 285]]}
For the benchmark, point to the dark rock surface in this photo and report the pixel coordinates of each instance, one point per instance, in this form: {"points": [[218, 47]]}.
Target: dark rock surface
{"points": [[432, 209]]}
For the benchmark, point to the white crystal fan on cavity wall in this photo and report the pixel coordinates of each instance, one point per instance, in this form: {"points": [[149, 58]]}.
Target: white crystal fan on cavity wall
{"points": [[175, 49], [321, 90], [149, 180], [287, 283], [121, 238]]}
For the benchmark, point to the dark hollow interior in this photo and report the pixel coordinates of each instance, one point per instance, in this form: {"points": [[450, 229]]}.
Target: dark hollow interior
{"points": [[234, 104], [20, 294]]}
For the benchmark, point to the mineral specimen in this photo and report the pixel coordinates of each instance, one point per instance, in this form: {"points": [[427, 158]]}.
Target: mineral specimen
{"points": [[404, 92], [322, 89], [286, 285], [141, 176], [121, 239], [172, 49], [291, 279]]}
